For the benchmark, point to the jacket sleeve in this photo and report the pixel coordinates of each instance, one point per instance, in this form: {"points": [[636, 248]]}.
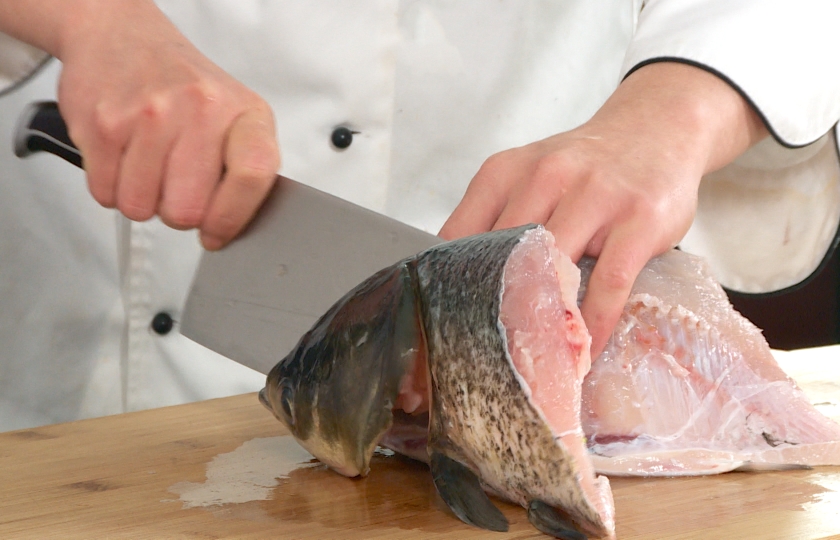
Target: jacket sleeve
{"points": [[782, 56], [18, 62]]}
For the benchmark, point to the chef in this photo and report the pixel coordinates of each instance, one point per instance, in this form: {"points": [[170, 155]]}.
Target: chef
{"points": [[456, 117]]}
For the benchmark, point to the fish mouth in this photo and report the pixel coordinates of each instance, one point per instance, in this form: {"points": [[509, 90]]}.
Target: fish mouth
{"points": [[405, 433], [357, 465], [348, 457]]}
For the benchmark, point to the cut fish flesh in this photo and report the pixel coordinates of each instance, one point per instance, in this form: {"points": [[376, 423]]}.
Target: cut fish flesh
{"points": [[473, 357], [480, 339], [687, 386]]}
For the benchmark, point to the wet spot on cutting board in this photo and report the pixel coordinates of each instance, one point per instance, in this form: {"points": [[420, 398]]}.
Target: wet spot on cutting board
{"points": [[246, 474], [91, 486]]}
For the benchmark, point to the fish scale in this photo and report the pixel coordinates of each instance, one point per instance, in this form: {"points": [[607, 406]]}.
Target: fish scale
{"points": [[515, 454], [471, 356], [436, 316]]}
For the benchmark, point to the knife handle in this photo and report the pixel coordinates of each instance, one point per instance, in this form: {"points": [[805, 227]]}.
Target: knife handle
{"points": [[42, 129]]}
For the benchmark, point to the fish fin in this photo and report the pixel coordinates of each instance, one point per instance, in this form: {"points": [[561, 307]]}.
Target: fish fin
{"points": [[461, 490], [548, 520]]}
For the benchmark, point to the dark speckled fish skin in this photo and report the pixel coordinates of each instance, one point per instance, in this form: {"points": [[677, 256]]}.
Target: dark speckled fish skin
{"points": [[342, 387], [480, 414], [343, 377]]}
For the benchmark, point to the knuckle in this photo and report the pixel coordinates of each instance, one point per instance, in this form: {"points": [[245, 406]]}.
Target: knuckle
{"points": [[263, 154], [182, 217], [250, 177], [200, 90], [223, 226], [206, 97], [103, 196], [259, 105], [256, 166], [501, 160], [154, 110], [106, 124], [618, 277], [101, 190], [136, 210], [496, 168], [552, 175], [553, 164], [654, 209]]}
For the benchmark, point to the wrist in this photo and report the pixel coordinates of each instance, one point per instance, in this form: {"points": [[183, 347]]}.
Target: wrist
{"points": [[32, 21], [83, 20], [54, 25], [728, 122], [689, 111]]}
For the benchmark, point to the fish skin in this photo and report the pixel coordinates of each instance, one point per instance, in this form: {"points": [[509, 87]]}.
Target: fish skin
{"points": [[480, 415], [481, 421], [431, 305], [370, 335]]}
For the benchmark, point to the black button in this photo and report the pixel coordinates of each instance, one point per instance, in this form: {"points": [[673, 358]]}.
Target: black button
{"points": [[342, 137], [162, 323]]}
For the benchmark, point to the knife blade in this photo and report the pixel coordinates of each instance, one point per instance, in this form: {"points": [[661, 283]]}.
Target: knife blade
{"points": [[252, 300]]}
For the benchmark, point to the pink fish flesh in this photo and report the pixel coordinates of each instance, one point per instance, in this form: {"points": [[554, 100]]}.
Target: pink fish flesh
{"points": [[687, 386], [473, 356]]}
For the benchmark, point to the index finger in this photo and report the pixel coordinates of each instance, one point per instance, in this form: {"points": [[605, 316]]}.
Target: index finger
{"points": [[624, 255], [252, 159]]}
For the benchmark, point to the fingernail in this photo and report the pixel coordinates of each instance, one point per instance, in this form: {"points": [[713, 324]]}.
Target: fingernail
{"points": [[211, 243]]}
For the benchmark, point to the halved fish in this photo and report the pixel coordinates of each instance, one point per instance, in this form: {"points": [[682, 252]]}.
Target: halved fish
{"points": [[472, 356], [482, 335]]}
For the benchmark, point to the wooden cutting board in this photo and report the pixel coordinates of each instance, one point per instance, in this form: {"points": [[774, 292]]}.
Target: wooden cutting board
{"points": [[226, 468]]}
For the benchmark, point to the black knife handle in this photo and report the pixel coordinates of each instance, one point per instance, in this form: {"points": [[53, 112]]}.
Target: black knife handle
{"points": [[42, 129]]}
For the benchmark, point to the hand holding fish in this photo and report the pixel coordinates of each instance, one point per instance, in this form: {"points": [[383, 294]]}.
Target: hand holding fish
{"points": [[162, 129], [623, 186]]}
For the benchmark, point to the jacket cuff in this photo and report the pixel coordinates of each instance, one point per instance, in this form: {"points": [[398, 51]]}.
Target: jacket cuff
{"points": [[779, 55], [18, 62]]}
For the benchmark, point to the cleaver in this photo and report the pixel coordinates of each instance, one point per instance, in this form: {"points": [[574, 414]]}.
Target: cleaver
{"points": [[253, 300]]}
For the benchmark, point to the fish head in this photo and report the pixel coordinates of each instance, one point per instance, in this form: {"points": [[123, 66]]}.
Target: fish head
{"points": [[336, 390]]}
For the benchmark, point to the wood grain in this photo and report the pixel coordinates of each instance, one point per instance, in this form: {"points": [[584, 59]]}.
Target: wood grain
{"points": [[111, 478]]}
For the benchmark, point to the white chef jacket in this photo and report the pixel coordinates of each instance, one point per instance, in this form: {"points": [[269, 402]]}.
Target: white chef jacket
{"points": [[432, 88]]}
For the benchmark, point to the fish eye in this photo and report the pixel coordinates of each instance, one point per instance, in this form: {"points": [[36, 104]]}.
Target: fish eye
{"points": [[287, 395]]}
